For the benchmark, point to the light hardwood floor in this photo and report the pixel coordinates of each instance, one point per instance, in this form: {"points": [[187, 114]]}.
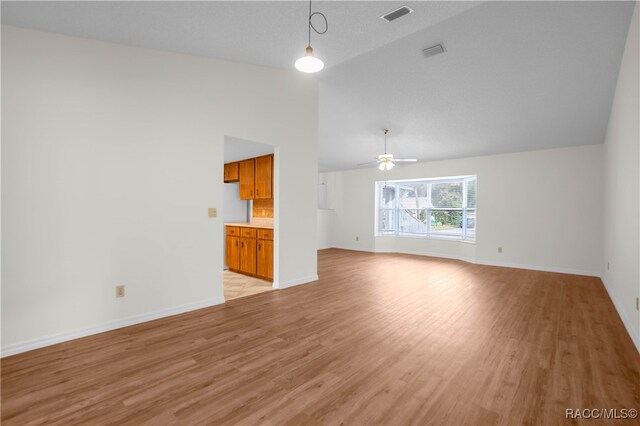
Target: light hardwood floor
{"points": [[239, 285], [380, 339]]}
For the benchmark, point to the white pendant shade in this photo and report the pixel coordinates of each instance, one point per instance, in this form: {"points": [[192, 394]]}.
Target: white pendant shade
{"points": [[309, 63]]}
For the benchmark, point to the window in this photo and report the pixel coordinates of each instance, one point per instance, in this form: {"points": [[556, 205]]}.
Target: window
{"points": [[444, 207]]}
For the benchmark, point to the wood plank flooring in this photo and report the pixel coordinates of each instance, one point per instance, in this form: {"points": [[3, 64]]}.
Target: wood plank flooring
{"points": [[380, 339]]}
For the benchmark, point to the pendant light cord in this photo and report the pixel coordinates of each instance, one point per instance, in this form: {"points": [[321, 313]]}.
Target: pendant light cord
{"points": [[311, 15]]}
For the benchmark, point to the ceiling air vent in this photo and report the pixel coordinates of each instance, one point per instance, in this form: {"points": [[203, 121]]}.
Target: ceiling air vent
{"points": [[398, 13], [433, 50]]}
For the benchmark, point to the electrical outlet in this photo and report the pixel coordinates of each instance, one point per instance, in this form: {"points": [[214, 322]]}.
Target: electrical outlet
{"points": [[637, 303], [213, 212], [357, 238], [499, 249], [119, 291]]}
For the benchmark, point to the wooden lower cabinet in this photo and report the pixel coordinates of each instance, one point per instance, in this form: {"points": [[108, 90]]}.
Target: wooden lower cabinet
{"points": [[248, 255], [250, 251], [265, 259], [233, 252]]}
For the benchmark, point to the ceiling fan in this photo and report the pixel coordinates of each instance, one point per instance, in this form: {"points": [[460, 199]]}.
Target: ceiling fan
{"points": [[386, 161]]}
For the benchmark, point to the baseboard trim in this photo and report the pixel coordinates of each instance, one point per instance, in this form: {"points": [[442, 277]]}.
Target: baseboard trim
{"points": [[354, 248], [628, 325], [29, 345], [299, 281], [480, 262], [540, 268]]}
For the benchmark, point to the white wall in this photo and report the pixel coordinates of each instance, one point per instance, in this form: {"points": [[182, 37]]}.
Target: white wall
{"points": [[326, 203], [543, 208], [621, 221], [325, 222], [111, 156], [235, 209]]}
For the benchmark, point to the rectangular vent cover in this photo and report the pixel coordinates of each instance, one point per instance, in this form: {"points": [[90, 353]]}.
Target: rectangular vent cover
{"points": [[433, 50], [398, 13]]}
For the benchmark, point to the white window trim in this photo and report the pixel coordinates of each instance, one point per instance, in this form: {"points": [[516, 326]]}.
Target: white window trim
{"points": [[397, 234]]}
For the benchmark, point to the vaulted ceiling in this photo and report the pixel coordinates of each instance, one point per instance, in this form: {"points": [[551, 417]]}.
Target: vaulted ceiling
{"points": [[515, 76]]}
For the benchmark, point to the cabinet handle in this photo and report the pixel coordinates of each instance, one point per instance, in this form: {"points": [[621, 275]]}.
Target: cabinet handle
{"points": [[236, 244], [259, 246], [242, 244]]}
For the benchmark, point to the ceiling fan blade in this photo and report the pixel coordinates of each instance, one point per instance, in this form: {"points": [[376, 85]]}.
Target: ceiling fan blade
{"points": [[368, 163], [405, 160]]}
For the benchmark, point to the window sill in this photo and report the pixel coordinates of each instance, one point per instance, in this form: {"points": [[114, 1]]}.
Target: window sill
{"points": [[424, 237]]}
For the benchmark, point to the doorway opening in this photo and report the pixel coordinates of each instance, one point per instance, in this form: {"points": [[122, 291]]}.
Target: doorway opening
{"points": [[248, 215]]}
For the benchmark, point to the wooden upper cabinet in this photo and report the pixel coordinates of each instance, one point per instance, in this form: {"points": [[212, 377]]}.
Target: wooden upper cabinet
{"points": [[255, 176], [264, 177], [231, 172], [247, 179]]}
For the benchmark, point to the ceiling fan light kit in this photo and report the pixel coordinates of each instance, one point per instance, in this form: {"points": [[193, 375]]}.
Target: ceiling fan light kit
{"points": [[309, 63]]}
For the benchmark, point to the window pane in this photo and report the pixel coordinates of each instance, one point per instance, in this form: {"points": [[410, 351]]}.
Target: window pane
{"points": [[387, 196], [446, 195], [446, 222], [471, 194], [413, 221], [387, 221], [413, 196], [471, 224], [406, 191]]}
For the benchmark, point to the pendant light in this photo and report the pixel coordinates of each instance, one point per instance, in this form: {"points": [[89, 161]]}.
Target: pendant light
{"points": [[309, 63]]}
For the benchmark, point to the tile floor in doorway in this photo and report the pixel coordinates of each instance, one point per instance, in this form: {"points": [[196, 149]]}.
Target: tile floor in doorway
{"points": [[238, 285]]}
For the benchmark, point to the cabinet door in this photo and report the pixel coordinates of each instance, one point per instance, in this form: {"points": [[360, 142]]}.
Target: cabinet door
{"points": [[231, 172], [265, 259], [248, 255], [247, 179], [264, 177], [233, 252]]}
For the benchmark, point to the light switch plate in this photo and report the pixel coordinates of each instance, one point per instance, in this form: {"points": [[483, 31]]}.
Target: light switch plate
{"points": [[213, 212]]}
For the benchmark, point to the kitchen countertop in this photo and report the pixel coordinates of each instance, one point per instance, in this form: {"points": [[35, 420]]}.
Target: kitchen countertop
{"points": [[250, 225]]}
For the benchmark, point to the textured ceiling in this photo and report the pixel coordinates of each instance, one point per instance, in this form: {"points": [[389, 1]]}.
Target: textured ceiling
{"points": [[270, 33], [515, 76]]}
